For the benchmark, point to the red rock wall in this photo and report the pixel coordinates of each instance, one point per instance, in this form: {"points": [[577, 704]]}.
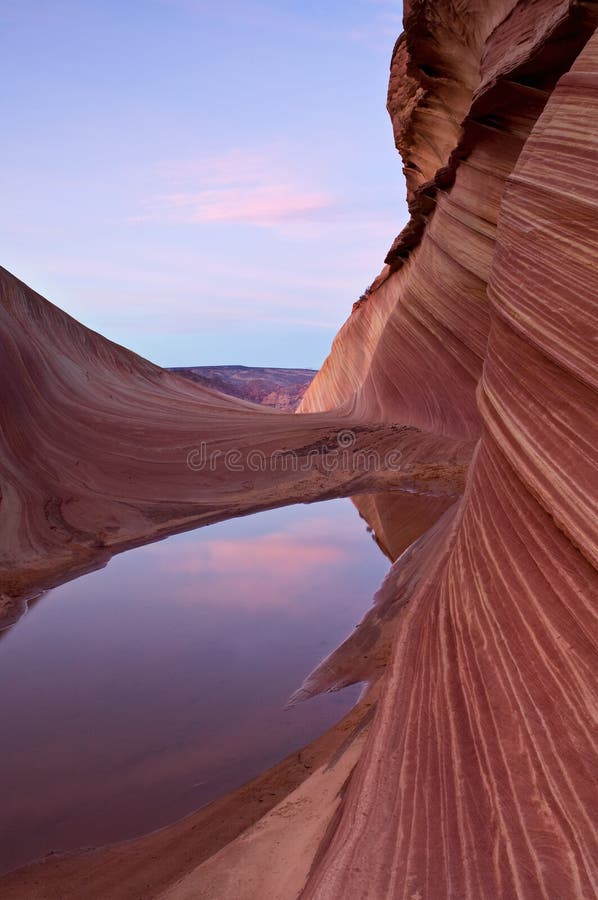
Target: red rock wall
{"points": [[478, 778], [413, 352]]}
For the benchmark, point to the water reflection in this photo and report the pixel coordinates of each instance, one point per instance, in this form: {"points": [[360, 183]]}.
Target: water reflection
{"points": [[135, 694]]}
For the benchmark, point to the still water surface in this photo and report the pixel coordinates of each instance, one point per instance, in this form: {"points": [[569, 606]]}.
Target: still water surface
{"points": [[136, 694]]}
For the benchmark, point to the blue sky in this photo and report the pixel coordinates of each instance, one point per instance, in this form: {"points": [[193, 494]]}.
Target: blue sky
{"points": [[205, 183]]}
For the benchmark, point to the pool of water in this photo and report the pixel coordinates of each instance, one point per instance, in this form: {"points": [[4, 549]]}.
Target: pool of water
{"points": [[136, 694]]}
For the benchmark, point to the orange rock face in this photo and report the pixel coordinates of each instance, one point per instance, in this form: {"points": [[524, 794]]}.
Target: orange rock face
{"points": [[474, 353]]}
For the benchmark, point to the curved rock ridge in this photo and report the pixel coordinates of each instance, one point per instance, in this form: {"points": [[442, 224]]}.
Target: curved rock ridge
{"points": [[468, 770], [101, 450]]}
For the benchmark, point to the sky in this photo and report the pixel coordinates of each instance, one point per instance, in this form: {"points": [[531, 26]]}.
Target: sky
{"points": [[205, 183]]}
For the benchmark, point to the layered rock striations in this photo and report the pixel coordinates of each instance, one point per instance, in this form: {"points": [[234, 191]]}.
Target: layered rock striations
{"points": [[473, 774], [483, 751], [101, 450]]}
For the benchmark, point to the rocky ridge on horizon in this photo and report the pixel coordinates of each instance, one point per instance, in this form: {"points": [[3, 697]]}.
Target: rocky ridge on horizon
{"points": [[269, 386]]}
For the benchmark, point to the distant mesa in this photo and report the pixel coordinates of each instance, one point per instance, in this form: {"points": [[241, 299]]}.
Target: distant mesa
{"points": [[280, 388]]}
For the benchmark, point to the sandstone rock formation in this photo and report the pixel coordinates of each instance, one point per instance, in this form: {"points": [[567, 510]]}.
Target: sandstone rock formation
{"points": [[483, 751], [280, 388], [101, 450], [473, 774]]}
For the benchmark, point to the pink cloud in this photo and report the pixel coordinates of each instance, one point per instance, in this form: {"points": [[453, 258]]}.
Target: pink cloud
{"points": [[250, 573], [266, 205], [236, 187]]}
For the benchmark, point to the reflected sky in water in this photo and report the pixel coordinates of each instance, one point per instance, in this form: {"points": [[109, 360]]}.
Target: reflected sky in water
{"points": [[136, 694]]}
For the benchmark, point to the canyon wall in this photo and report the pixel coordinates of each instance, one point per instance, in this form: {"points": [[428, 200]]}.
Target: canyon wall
{"points": [[478, 778]]}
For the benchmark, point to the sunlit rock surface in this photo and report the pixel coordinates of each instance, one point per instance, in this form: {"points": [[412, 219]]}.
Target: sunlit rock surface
{"points": [[469, 769]]}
